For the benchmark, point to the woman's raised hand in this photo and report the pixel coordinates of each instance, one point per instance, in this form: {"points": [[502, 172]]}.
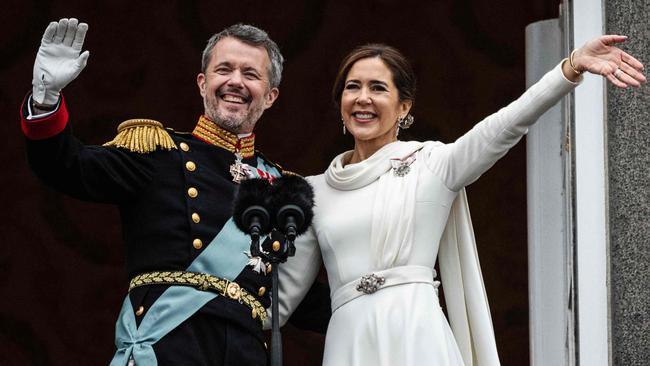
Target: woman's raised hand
{"points": [[601, 56]]}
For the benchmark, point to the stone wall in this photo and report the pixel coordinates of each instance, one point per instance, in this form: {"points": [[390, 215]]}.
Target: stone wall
{"points": [[628, 145]]}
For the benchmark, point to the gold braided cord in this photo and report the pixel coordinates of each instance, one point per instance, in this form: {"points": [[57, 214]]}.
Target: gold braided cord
{"points": [[212, 133], [203, 282], [142, 136], [289, 172]]}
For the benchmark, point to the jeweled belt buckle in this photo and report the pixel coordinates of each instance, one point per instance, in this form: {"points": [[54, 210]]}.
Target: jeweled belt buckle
{"points": [[370, 283]]}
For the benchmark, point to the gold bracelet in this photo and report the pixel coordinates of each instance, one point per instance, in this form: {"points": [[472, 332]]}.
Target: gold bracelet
{"points": [[573, 67]]}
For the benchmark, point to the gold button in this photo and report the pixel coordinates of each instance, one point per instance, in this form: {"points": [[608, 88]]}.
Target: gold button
{"points": [[192, 192], [261, 291], [254, 313], [196, 218], [269, 268], [140, 311], [190, 166], [185, 147], [276, 246], [197, 244]]}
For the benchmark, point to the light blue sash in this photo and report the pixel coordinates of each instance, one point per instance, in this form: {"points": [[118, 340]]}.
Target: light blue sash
{"points": [[224, 257], [270, 169]]}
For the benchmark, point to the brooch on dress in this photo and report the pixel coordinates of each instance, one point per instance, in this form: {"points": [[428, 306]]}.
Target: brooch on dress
{"points": [[402, 167]]}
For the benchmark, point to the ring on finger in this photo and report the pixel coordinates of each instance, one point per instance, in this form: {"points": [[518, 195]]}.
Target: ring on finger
{"points": [[618, 73]]}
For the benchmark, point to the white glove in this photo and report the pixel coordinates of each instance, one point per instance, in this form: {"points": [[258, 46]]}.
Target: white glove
{"points": [[58, 61]]}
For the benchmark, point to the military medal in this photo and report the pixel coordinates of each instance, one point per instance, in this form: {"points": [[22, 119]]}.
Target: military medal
{"points": [[237, 169], [243, 148], [256, 263]]}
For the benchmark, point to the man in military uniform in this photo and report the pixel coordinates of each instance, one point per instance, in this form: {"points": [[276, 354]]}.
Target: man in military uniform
{"points": [[195, 297]]}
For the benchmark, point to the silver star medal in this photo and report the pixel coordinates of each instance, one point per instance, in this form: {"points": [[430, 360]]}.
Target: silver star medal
{"points": [[256, 263], [402, 167], [238, 169]]}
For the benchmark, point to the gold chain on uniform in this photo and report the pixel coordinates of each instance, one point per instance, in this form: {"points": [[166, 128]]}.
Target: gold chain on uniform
{"points": [[203, 282], [210, 132]]}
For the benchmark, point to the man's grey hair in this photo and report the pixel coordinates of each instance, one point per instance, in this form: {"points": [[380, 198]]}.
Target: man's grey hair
{"points": [[255, 37]]}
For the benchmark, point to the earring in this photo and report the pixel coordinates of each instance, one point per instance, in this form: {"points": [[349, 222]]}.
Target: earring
{"points": [[343, 125], [405, 121]]}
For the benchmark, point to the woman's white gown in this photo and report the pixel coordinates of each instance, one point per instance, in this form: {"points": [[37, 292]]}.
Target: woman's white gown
{"points": [[404, 324]]}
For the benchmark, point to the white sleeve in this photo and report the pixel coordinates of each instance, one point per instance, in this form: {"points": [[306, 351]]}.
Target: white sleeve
{"points": [[297, 275], [462, 162]]}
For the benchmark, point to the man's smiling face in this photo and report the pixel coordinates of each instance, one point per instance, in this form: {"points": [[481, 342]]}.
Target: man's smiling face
{"points": [[235, 86]]}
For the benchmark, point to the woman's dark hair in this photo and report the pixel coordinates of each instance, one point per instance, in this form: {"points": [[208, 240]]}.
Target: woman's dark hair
{"points": [[400, 67]]}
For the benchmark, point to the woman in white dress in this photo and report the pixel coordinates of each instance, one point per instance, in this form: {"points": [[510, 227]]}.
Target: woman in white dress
{"points": [[388, 209]]}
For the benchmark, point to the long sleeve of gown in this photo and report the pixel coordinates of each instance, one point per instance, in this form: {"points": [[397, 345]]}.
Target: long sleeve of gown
{"points": [[459, 164], [462, 162]]}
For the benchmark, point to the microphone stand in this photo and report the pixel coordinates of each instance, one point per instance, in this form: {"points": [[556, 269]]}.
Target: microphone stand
{"points": [[277, 255], [292, 197], [276, 335]]}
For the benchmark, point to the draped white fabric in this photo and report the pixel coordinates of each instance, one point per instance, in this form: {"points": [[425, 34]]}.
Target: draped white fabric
{"points": [[467, 303], [392, 213]]}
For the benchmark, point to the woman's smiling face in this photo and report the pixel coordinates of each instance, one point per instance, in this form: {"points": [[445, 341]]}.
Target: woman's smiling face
{"points": [[370, 102]]}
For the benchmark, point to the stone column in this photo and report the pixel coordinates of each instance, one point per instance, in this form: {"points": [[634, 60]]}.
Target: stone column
{"points": [[628, 159]]}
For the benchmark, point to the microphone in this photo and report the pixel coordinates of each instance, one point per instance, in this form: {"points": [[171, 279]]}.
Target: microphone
{"points": [[292, 200], [250, 211]]}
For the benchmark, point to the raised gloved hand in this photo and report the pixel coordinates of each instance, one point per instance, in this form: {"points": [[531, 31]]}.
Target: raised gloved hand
{"points": [[58, 61]]}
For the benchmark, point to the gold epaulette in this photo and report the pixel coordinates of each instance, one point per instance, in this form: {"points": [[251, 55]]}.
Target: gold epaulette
{"points": [[142, 136]]}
